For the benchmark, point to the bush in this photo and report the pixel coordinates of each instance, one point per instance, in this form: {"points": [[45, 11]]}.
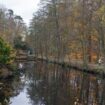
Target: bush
{"points": [[6, 52]]}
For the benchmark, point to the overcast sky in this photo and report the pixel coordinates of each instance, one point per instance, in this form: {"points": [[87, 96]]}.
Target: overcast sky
{"points": [[24, 8]]}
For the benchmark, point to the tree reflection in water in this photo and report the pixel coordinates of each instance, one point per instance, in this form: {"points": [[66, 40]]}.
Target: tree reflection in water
{"points": [[54, 85], [11, 87], [51, 84]]}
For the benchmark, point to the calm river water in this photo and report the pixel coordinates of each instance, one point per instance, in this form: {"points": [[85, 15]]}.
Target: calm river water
{"points": [[49, 84]]}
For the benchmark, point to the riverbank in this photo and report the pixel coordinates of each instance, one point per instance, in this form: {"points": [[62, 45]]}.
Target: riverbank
{"points": [[7, 71], [79, 65], [93, 68]]}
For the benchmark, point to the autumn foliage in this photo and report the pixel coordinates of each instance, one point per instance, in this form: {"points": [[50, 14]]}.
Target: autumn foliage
{"points": [[69, 29]]}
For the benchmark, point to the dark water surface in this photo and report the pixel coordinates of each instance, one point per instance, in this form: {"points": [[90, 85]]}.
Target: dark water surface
{"points": [[49, 84]]}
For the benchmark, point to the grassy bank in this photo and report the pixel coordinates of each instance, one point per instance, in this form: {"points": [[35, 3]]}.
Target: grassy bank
{"points": [[78, 65]]}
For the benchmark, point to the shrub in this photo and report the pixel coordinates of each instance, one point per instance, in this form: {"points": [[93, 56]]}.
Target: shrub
{"points": [[6, 52]]}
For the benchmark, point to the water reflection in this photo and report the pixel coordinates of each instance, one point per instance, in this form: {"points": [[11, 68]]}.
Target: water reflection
{"points": [[10, 87], [54, 85], [49, 84]]}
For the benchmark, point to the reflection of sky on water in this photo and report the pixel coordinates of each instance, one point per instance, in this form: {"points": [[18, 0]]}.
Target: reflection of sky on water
{"points": [[21, 99]]}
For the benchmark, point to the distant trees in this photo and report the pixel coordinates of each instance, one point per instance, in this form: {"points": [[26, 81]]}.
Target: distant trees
{"points": [[21, 45], [11, 25]]}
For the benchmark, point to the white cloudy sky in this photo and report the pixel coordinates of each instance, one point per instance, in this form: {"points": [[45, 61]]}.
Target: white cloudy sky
{"points": [[24, 8]]}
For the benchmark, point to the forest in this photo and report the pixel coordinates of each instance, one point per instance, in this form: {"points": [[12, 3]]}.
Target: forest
{"points": [[60, 29], [69, 29]]}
